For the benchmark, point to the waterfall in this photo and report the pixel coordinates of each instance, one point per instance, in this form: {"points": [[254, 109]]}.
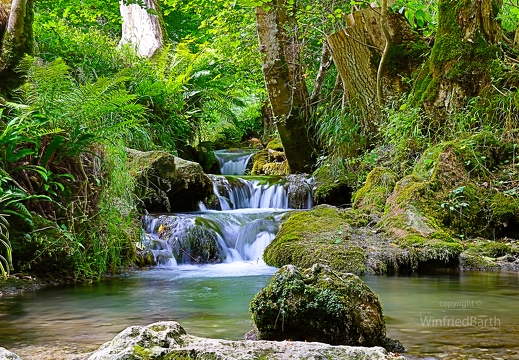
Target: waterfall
{"points": [[234, 162], [237, 227], [291, 192], [210, 236]]}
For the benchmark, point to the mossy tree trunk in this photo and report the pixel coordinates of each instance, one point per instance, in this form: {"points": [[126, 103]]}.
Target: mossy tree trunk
{"points": [[466, 45], [284, 81], [356, 52], [16, 39], [143, 27]]}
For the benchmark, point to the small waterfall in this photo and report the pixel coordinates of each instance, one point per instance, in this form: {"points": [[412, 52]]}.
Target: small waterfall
{"points": [[210, 237], [234, 162], [243, 221], [291, 192]]}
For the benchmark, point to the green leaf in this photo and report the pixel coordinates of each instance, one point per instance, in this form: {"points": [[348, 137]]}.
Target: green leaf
{"points": [[13, 156], [51, 149]]}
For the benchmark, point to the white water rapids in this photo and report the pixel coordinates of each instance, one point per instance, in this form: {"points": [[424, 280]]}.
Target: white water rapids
{"points": [[246, 221]]}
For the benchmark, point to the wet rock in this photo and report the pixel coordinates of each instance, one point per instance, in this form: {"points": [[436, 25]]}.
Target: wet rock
{"points": [[168, 183], [318, 304], [7, 355], [169, 340], [299, 191]]}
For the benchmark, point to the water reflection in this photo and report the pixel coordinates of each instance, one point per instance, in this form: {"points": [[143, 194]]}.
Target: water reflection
{"points": [[452, 316]]}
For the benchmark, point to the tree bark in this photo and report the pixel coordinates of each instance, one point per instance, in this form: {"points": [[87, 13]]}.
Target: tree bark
{"points": [[284, 81], [467, 41], [357, 51], [354, 57], [16, 40], [143, 27]]}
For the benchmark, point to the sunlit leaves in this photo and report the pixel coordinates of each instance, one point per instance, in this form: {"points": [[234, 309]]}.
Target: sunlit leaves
{"points": [[421, 16]]}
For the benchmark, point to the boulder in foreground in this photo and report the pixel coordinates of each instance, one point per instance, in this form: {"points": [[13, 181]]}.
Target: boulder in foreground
{"points": [[168, 340], [7, 355], [318, 304]]}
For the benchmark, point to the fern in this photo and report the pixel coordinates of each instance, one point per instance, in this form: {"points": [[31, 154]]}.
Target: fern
{"points": [[11, 204]]}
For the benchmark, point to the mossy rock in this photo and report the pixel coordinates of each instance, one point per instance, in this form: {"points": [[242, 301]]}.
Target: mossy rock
{"points": [[320, 235], [331, 186], [371, 198], [265, 164], [169, 341], [168, 183], [318, 304], [455, 192], [463, 194], [271, 160], [490, 255], [474, 261], [275, 144]]}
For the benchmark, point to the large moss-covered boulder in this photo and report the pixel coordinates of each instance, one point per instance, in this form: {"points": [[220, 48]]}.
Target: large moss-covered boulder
{"points": [[321, 235], [318, 304], [459, 191], [168, 183], [167, 340]]}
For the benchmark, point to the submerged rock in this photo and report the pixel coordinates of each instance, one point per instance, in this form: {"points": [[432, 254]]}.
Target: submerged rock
{"points": [[168, 183], [168, 340], [318, 304]]}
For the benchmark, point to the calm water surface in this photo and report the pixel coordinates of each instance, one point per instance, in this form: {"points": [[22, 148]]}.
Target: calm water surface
{"points": [[462, 316]]}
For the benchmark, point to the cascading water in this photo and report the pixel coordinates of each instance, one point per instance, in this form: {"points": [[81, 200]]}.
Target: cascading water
{"points": [[238, 228], [234, 162]]}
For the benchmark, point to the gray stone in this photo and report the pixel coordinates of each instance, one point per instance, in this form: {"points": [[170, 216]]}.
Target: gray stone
{"points": [[7, 355], [168, 183], [169, 339]]}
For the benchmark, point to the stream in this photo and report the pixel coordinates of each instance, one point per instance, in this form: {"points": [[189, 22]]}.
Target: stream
{"points": [[467, 315], [212, 301]]}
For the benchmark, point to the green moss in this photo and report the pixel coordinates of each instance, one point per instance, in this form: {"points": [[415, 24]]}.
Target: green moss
{"points": [[264, 164], [142, 353], [320, 235], [191, 355], [410, 192], [318, 304], [504, 208], [423, 249], [474, 261], [275, 145], [409, 54], [372, 197], [332, 186]]}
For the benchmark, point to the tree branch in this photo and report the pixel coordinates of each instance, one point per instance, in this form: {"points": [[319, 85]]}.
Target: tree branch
{"points": [[387, 35], [325, 64]]}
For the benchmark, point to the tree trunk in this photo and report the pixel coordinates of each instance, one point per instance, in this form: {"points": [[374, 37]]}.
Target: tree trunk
{"points": [[466, 44], [16, 39], [354, 61], [356, 52], [284, 81], [143, 27]]}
